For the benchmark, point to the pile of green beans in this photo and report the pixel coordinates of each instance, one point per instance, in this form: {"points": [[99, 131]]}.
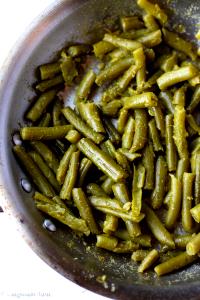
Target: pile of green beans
{"points": [[125, 168]]}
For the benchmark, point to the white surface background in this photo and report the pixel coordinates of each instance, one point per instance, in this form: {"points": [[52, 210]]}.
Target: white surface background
{"points": [[23, 275]]}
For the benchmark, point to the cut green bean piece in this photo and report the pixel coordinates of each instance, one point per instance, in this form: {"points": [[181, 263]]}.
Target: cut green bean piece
{"points": [[140, 61], [112, 108], [85, 86], [174, 263], [106, 242], [197, 180], [81, 126], [122, 120], [139, 255], [154, 10], [147, 99], [90, 114], [103, 161], [59, 211], [150, 22], [127, 137], [44, 133], [121, 42], [114, 70], [40, 105], [166, 98], [77, 50], [168, 62], [84, 208], [73, 136], [178, 43], [157, 228], [157, 113], [187, 222], [195, 212], [101, 48], [183, 166], [130, 156], [148, 162], [158, 193], [107, 185], [48, 173], [33, 171], [193, 124], [68, 68], [108, 147], [154, 135], [195, 99], [171, 154], [105, 201], [182, 240], [131, 22], [122, 160], [50, 83], [193, 246], [141, 130], [48, 71], [152, 39], [173, 77], [56, 113], [125, 216], [110, 224], [111, 130], [179, 96], [71, 177], [136, 202], [125, 247], [45, 121], [85, 167], [175, 203], [180, 132], [47, 154], [148, 261], [95, 190]]}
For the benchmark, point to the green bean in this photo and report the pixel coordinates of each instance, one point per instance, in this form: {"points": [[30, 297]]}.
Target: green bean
{"points": [[110, 224], [50, 83], [33, 171], [166, 98], [61, 213], [121, 42], [85, 167], [127, 137], [136, 202], [148, 261], [90, 114], [178, 43], [179, 96], [154, 135], [85, 86], [168, 61], [154, 10], [160, 183], [48, 71], [148, 162], [125, 247], [68, 68], [95, 190], [131, 22], [56, 113], [193, 124], [171, 155], [102, 160], [157, 113], [183, 166], [44, 133], [147, 99], [73, 136], [112, 108], [46, 154], [182, 240], [180, 132], [188, 179], [84, 208], [153, 79], [81, 126], [71, 177], [157, 228], [125, 216], [48, 173], [101, 48], [122, 161], [40, 105], [134, 34], [114, 70], [175, 203], [143, 240], [150, 22], [139, 255], [195, 99], [152, 39], [138, 177], [197, 180], [128, 155], [173, 77], [195, 212], [106, 242], [195, 145], [193, 246], [77, 50], [107, 185], [141, 129], [123, 117], [117, 53], [105, 201], [64, 163], [45, 121], [174, 263], [111, 130], [109, 148], [140, 61]]}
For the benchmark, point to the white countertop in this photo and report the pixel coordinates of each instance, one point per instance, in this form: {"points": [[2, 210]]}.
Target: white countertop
{"points": [[23, 275]]}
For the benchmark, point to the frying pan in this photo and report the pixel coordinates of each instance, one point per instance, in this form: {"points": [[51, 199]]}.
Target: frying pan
{"points": [[77, 259]]}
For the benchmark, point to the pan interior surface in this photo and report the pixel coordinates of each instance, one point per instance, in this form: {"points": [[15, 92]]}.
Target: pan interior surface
{"points": [[76, 258]]}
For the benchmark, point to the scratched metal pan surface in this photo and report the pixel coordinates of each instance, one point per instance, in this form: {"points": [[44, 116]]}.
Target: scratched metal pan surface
{"points": [[61, 23]]}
